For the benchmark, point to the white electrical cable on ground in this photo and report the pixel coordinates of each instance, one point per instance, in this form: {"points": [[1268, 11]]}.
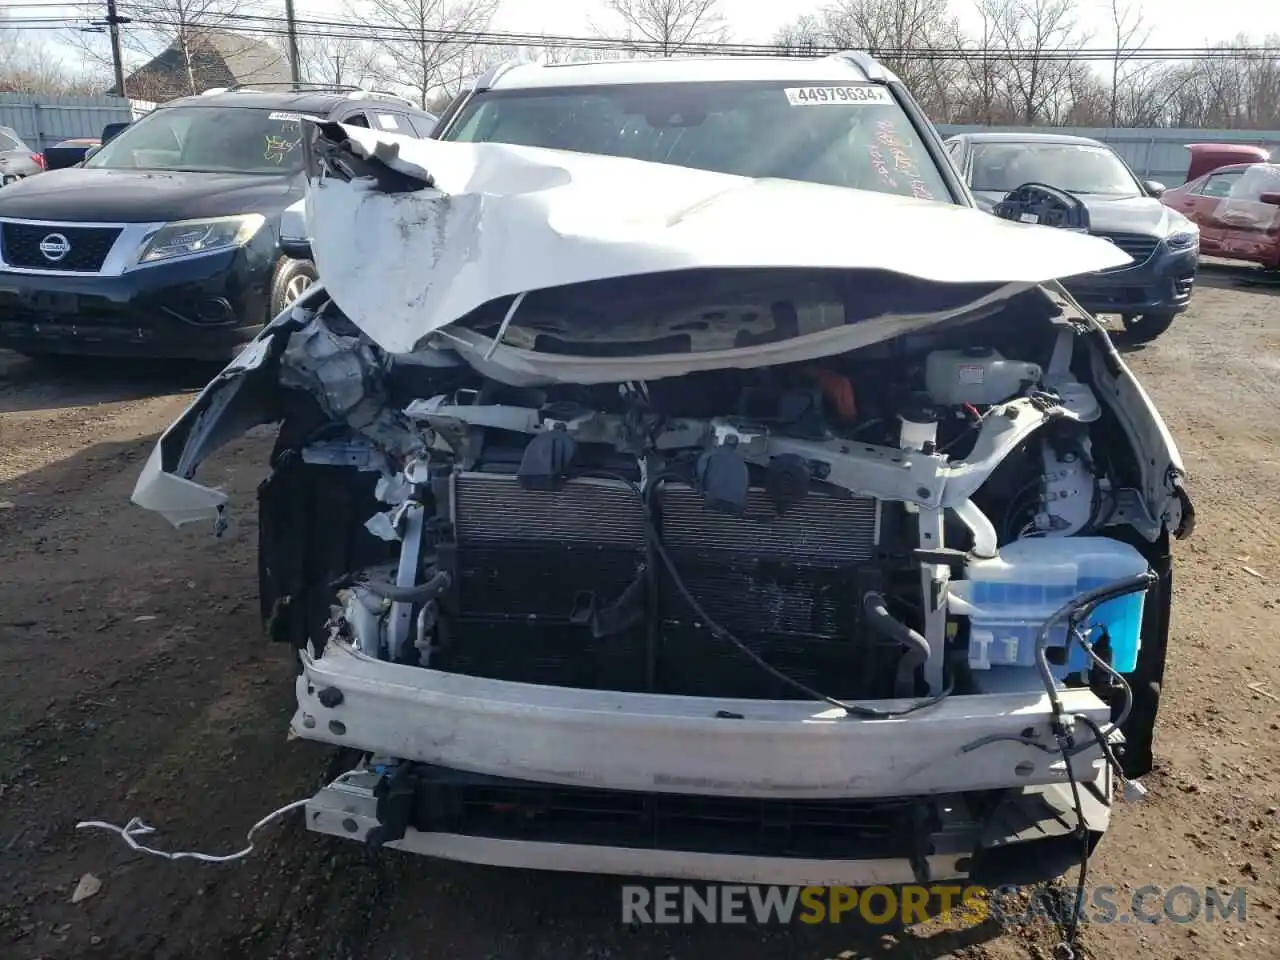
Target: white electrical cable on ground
{"points": [[137, 828]]}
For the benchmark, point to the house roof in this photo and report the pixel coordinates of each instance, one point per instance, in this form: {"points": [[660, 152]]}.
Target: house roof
{"points": [[219, 59]]}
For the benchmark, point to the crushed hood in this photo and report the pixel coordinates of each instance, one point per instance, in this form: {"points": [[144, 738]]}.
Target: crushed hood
{"points": [[453, 226]]}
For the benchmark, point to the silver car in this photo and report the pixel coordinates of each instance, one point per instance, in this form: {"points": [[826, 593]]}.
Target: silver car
{"points": [[17, 160]]}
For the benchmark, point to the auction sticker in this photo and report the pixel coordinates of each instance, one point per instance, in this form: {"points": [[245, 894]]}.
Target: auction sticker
{"points": [[862, 93]]}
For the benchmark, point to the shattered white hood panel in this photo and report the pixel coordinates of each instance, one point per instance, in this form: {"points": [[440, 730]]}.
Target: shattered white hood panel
{"points": [[504, 220]]}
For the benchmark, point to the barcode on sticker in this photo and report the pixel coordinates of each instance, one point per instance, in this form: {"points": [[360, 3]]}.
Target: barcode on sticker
{"points": [[292, 117], [972, 373], [862, 93]]}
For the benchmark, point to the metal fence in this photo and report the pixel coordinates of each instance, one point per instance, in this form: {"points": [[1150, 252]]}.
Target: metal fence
{"points": [[1154, 154], [43, 121]]}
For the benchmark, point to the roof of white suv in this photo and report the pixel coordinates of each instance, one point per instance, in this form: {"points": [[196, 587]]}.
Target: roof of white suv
{"points": [[840, 68]]}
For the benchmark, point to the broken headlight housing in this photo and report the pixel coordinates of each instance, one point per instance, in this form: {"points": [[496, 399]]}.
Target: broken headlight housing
{"points": [[184, 238]]}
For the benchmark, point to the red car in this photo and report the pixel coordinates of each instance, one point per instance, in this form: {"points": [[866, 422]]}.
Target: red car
{"points": [[1236, 206]]}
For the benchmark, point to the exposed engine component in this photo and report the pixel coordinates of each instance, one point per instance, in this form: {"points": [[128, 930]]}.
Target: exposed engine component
{"points": [[919, 429], [1071, 493], [976, 375], [829, 556]]}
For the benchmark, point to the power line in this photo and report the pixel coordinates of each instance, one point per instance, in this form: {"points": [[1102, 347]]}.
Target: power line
{"points": [[391, 33]]}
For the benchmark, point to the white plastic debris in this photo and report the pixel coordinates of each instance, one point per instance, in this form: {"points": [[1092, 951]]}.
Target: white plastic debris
{"points": [[86, 888], [136, 828], [1135, 791]]}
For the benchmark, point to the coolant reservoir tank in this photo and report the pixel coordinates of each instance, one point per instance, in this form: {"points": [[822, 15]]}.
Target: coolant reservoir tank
{"points": [[976, 375]]}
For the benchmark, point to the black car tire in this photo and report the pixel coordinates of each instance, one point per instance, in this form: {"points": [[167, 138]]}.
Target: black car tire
{"points": [[292, 277], [1143, 328]]}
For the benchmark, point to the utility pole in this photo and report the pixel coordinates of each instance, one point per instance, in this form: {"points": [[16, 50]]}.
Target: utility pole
{"points": [[295, 70], [112, 23]]}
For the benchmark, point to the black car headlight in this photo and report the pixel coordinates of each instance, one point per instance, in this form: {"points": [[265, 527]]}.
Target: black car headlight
{"points": [[184, 238]]}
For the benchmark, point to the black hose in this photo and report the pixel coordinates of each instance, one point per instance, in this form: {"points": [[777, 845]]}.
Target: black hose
{"points": [[917, 647], [723, 633], [1102, 739], [418, 593], [1074, 609]]}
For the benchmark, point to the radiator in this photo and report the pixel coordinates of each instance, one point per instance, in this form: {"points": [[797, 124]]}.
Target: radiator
{"points": [[820, 530], [790, 586]]}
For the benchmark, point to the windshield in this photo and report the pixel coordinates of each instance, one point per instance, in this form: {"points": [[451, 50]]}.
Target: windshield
{"points": [[207, 140], [1073, 167], [853, 135]]}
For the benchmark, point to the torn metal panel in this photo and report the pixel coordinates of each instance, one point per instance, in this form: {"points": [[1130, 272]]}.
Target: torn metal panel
{"points": [[492, 220], [236, 400], [347, 378]]}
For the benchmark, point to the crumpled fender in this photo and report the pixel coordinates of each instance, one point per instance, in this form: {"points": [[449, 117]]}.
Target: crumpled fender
{"points": [[242, 396]]}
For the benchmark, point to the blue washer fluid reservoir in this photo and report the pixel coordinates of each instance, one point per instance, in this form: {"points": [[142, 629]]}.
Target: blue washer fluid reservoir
{"points": [[1008, 597]]}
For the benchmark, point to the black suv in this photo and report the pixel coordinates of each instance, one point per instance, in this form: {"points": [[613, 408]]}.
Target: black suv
{"points": [[165, 242]]}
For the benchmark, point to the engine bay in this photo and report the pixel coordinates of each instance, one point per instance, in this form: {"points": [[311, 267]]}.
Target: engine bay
{"points": [[889, 523]]}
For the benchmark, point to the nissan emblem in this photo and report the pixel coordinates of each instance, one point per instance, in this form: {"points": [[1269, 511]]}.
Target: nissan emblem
{"points": [[54, 247]]}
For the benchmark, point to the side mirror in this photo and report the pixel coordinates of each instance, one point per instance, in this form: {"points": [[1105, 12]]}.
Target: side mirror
{"points": [[293, 231], [296, 247], [1271, 198], [1154, 187], [111, 131], [90, 152]]}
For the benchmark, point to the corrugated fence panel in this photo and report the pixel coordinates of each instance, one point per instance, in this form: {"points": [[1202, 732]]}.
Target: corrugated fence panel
{"points": [[43, 121], [1154, 154]]}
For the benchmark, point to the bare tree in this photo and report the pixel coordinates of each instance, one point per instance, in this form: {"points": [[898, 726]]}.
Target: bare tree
{"points": [[29, 65], [1130, 78], [435, 39], [188, 27], [986, 77], [665, 27], [553, 53], [340, 59], [917, 39], [1037, 35], [802, 37]]}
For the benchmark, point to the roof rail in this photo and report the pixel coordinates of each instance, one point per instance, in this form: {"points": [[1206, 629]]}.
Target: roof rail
{"points": [[302, 86], [487, 79], [865, 62]]}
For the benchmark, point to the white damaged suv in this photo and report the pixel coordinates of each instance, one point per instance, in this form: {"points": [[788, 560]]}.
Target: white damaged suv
{"points": [[678, 476]]}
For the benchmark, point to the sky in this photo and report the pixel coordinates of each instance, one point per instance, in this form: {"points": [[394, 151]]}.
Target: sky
{"points": [[1175, 23]]}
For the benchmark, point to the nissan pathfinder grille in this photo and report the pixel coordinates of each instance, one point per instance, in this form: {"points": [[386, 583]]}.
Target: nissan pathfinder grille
{"points": [[74, 249]]}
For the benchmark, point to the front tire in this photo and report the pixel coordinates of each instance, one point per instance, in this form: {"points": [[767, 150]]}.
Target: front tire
{"points": [[1143, 328], [292, 279]]}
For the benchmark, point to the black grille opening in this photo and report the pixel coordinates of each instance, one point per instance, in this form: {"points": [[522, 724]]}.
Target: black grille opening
{"points": [[59, 247], [1136, 245], [448, 801]]}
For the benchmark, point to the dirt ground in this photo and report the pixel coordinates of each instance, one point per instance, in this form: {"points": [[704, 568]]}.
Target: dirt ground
{"points": [[134, 681]]}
